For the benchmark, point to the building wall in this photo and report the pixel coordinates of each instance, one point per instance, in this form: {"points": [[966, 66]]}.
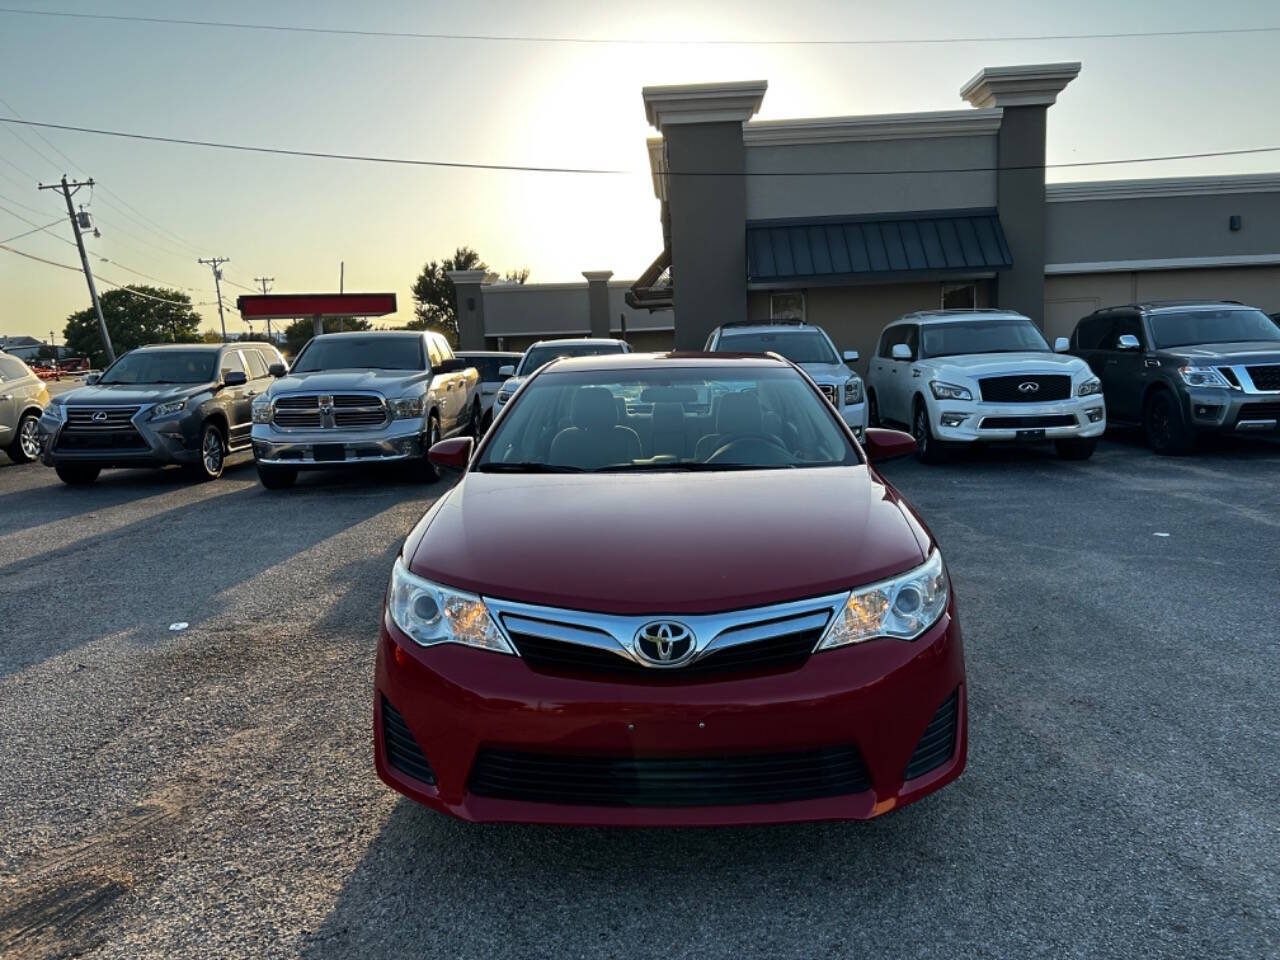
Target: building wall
{"points": [[642, 341], [773, 197], [536, 310]]}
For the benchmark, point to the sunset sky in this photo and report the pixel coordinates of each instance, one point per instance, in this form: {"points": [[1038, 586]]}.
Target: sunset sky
{"points": [[514, 102]]}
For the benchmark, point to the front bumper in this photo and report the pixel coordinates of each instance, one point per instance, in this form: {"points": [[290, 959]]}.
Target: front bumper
{"points": [[1076, 417], [855, 415], [1231, 411], [328, 448], [158, 443], [878, 696]]}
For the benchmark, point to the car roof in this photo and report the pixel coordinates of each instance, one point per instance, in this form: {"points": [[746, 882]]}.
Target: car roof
{"points": [[649, 361], [184, 346], [370, 333], [487, 353], [1156, 305], [574, 341], [734, 328], [956, 316]]}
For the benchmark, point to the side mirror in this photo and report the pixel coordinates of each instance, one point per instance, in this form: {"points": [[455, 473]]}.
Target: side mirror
{"points": [[278, 370], [901, 351], [91, 378], [851, 356], [234, 378], [452, 365], [1128, 341], [1061, 345], [453, 454], [506, 370], [885, 445]]}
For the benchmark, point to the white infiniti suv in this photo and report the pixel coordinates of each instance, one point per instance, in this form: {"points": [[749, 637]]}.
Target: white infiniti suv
{"points": [[965, 376]]}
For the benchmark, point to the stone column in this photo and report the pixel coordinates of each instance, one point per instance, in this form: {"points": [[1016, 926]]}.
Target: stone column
{"points": [[598, 301], [701, 127], [1025, 94], [470, 304]]}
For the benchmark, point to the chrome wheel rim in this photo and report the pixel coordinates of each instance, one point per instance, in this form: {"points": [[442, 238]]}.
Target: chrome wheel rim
{"points": [[212, 452], [922, 430], [30, 439]]}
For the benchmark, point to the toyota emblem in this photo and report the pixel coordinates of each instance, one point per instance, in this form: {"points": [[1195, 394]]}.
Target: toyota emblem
{"points": [[1028, 386], [664, 643]]}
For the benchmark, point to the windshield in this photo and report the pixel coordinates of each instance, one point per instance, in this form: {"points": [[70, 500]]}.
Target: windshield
{"points": [[734, 417], [1171, 329], [538, 357], [798, 346], [374, 352], [997, 335], [163, 366]]}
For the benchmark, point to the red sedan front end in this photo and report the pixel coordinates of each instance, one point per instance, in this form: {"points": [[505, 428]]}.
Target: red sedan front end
{"points": [[647, 638]]}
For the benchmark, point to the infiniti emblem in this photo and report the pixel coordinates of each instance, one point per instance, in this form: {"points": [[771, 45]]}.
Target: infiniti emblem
{"points": [[1028, 386], [664, 643], [100, 416]]}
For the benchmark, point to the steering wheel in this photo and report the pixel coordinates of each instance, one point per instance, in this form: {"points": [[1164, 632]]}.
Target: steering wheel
{"points": [[752, 447]]}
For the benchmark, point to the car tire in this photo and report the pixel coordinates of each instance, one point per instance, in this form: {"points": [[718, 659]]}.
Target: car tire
{"points": [[77, 474], [473, 425], [1165, 427], [26, 440], [1076, 448], [423, 470], [928, 448], [873, 409], [213, 454], [277, 478]]}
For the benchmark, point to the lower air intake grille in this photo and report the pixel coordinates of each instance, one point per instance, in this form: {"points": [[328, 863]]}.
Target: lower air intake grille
{"points": [[695, 781], [1028, 423], [403, 751], [938, 743]]}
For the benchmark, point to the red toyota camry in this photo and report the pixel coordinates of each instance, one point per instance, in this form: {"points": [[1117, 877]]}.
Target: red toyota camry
{"points": [[669, 590]]}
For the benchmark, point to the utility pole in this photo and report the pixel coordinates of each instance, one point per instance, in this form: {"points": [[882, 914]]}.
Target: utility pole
{"points": [[214, 263], [342, 274], [264, 281], [67, 189]]}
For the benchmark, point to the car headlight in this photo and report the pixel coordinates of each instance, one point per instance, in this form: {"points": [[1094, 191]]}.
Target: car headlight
{"points": [[949, 391], [168, 408], [262, 410], [1203, 377], [903, 607], [406, 408], [503, 396], [429, 613], [1089, 387], [852, 391]]}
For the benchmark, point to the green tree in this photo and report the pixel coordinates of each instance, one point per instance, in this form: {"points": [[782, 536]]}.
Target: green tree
{"points": [[300, 332], [160, 315], [520, 276], [434, 300]]}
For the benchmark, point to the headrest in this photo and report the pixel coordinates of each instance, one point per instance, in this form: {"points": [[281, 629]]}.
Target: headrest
{"points": [[594, 409], [668, 417], [739, 414], [669, 395]]}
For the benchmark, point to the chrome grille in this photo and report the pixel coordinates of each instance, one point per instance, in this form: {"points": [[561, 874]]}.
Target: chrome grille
{"points": [[101, 428], [1266, 376], [99, 418], [324, 411]]}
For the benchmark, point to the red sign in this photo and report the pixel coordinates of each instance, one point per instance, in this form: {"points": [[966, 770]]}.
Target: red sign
{"points": [[290, 306]]}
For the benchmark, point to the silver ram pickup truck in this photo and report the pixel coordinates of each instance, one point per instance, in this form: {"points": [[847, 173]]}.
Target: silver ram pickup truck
{"points": [[369, 397]]}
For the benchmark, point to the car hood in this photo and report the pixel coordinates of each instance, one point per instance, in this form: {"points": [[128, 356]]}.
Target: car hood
{"points": [[666, 542], [835, 373], [330, 381], [1262, 351], [997, 364], [127, 394]]}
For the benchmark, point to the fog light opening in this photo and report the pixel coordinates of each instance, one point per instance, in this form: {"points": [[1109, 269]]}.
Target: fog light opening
{"points": [[1095, 415], [953, 419]]}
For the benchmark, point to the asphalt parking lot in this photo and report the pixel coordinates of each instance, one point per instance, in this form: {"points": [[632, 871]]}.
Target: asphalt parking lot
{"points": [[210, 791]]}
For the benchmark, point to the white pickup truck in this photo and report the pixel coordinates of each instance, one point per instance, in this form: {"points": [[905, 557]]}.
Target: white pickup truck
{"points": [[367, 397]]}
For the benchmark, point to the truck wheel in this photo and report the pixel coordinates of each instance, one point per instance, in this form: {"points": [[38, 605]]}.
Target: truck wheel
{"points": [[1162, 422], [213, 455], [277, 478], [1076, 448], [928, 449], [473, 425], [26, 442], [77, 474], [423, 471]]}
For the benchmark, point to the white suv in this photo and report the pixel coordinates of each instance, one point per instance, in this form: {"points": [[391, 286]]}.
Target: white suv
{"points": [[960, 376], [809, 348]]}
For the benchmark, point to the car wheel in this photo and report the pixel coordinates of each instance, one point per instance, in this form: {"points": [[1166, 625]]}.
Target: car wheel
{"points": [[928, 449], [26, 443], [77, 474], [1162, 422], [277, 478], [473, 427], [213, 454], [1076, 448], [423, 469], [873, 409]]}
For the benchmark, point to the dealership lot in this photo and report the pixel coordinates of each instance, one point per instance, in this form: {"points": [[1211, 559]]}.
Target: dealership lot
{"points": [[210, 791]]}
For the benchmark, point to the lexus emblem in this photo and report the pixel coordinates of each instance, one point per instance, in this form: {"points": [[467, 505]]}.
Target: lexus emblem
{"points": [[1028, 386], [664, 643], [100, 416]]}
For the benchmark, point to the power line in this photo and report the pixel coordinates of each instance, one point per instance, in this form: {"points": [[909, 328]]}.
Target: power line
{"points": [[596, 171], [634, 41], [19, 236], [120, 286]]}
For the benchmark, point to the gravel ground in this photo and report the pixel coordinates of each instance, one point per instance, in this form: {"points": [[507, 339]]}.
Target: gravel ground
{"points": [[210, 792]]}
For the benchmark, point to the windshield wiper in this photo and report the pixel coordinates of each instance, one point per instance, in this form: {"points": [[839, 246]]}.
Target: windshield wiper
{"points": [[527, 466]]}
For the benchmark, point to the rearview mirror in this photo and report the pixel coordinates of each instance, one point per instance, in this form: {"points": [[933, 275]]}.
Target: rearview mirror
{"points": [[1061, 345], [851, 356], [278, 370], [453, 454], [882, 445], [1128, 341], [901, 351], [234, 378], [506, 370], [91, 378]]}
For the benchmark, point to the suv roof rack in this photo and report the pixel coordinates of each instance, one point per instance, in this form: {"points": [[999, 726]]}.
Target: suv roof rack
{"points": [[771, 322], [1185, 302]]}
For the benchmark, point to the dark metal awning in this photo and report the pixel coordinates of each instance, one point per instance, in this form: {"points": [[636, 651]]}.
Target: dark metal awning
{"points": [[652, 291], [831, 250]]}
